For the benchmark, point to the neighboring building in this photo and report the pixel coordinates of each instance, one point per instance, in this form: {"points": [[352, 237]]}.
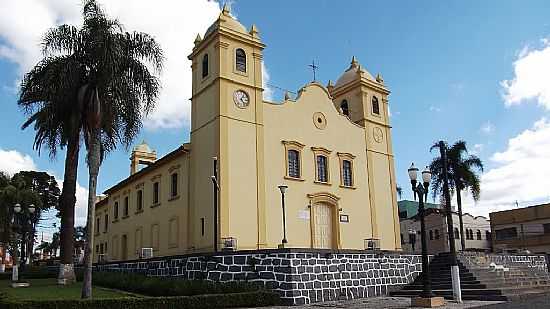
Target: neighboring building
{"points": [[408, 209], [331, 146], [477, 232], [522, 229]]}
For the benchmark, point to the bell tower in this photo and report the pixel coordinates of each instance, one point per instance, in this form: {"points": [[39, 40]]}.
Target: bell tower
{"points": [[227, 124], [364, 99]]}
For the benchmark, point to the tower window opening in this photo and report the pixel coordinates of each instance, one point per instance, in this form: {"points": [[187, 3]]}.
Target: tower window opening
{"points": [[345, 108], [240, 60], [205, 66], [375, 106]]}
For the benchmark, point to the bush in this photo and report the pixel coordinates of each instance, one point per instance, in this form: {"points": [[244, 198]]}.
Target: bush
{"points": [[247, 299], [168, 286]]}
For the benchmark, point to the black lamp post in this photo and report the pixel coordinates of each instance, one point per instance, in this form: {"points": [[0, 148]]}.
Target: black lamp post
{"points": [[283, 189], [421, 189], [22, 219], [216, 190]]}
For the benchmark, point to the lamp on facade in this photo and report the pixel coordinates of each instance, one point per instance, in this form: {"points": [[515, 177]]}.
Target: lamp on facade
{"points": [[421, 190], [283, 190]]}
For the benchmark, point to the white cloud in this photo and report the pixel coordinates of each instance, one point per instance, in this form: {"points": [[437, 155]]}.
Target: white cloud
{"points": [[521, 172], [268, 91], [435, 109], [12, 161], [487, 128], [478, 148], [173, 23], [531, 77]]}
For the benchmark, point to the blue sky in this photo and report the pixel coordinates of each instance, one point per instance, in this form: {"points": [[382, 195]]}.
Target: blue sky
{"points": [[446, 63]]}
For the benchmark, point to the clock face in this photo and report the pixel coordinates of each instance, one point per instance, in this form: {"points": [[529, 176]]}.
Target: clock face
{"points": [[241, 99]]}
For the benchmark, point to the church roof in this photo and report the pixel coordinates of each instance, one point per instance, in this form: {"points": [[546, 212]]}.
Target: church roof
{"points": [[352, 73], [227, 21]]}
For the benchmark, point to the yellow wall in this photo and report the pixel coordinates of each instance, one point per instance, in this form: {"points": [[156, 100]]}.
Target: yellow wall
{"points": [[249, 144]]}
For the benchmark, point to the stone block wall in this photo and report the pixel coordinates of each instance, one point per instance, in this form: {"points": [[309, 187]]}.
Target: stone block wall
{"points": [[534, 262], [300, 276]]}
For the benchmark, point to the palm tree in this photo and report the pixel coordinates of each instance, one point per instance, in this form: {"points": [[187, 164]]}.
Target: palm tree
{"points": [[462, 176], [48, 94], [115, 91], [91, 82]]}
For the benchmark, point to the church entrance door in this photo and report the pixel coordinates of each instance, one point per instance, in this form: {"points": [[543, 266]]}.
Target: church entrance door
{"points": [[323, 226]]}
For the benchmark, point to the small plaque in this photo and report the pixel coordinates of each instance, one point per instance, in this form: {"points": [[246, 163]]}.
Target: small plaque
{"points": [[344, 218]]}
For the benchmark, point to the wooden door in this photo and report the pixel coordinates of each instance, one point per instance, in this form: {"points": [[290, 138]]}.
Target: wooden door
{"points": [[323, 231]]}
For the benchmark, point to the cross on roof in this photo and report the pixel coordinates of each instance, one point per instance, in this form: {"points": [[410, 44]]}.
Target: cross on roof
{"points": [[314, 68]]}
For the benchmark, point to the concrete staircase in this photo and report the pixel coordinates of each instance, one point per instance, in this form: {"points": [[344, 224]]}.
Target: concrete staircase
{"points": [[479, 282]]}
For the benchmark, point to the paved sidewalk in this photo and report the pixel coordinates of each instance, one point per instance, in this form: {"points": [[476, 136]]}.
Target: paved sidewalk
{"points": [[384, 302]]}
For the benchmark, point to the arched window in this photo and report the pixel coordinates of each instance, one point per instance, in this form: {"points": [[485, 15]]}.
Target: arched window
{"points": [[457, 233], [205, 66], [293, 163], [487, 235], [345, 108], [375, 106], [322, 171], [478, 234], [240, 60]]}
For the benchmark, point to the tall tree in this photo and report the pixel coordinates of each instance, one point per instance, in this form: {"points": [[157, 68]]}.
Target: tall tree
{"points": [[462, 170], [45, 186], [116, 91], [49, 95]]}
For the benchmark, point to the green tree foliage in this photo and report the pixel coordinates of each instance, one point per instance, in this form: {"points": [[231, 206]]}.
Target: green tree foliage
{"points": [[462, 173]]}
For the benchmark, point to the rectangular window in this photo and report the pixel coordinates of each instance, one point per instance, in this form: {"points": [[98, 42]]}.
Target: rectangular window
{"points": [[126, 207], [96, 248], [106, 223], [202, 226], [293, 164], [100, 248], [347, 176], [436, 232], [115, 211], [139, 200], [546, 228], [155, 192], [507, 233], [97, 222], [174, 191], [322, 172], [105, 247]]}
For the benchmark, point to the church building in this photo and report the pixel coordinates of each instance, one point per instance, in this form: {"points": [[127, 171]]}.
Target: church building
{"points": [[328, 149]]}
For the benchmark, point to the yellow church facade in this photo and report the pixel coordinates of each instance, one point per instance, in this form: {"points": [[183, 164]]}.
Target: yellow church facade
{"points": [[330, 146]]}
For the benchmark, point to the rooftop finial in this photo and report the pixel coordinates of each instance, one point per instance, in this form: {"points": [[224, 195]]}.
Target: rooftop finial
{"points": [[254, 30], [226, 10], [379, 78], [198, 39], [354, 62], [287, 96]]}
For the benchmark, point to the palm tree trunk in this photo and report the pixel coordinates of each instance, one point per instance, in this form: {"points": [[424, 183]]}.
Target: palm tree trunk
{"points": [[93, 167], [459, 203], [67, 203]]}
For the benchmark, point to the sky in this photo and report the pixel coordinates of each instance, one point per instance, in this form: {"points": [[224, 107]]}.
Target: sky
{"points": [[472, 70]]}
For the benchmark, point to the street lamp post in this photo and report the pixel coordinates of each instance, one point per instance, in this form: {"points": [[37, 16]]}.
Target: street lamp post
{"points": [[283, 189], [22, 218], [421, 190]]}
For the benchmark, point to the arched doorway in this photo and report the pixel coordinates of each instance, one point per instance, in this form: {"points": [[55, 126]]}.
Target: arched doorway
{"points": [[324, 222]]}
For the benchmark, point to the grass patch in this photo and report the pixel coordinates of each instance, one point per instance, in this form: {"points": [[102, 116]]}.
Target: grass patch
{"points": [[48, 289]]}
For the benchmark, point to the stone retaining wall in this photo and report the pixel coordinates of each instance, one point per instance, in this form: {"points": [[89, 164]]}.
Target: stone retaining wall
{"points": [[526, 261], [300, 276]]}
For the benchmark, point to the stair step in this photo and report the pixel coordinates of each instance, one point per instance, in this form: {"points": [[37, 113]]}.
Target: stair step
{"points": [[445, 286]]}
